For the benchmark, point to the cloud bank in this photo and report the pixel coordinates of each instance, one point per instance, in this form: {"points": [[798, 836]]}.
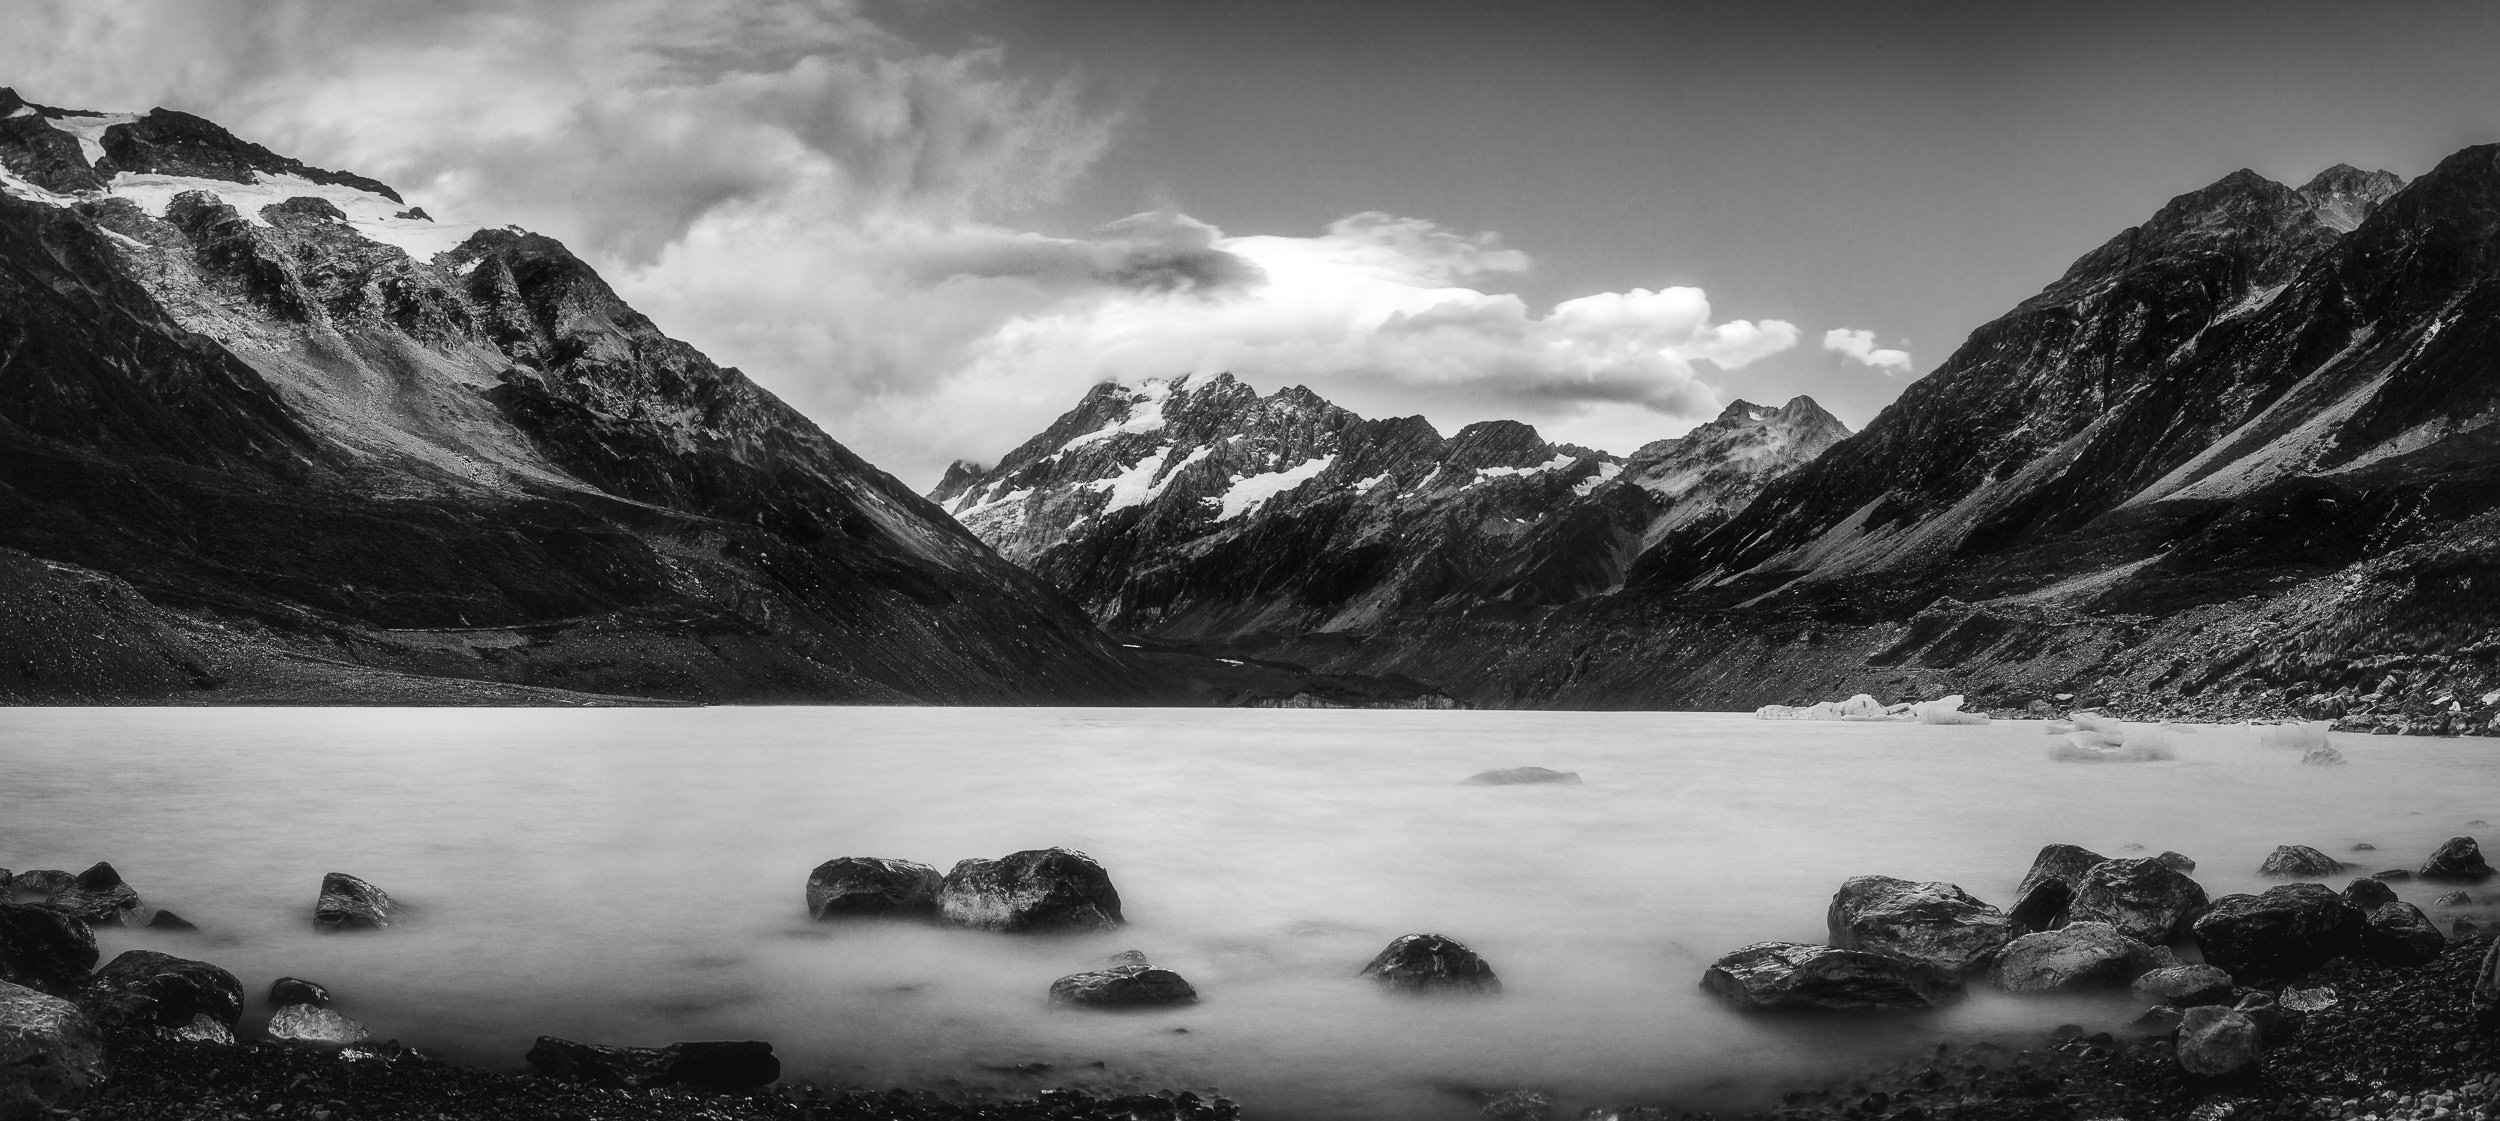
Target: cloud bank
{"points": [[1859, 347], [849, 216]]}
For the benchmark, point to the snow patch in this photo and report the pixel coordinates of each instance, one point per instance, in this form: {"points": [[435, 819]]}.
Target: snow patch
{"points": [[1145, 480], [1560, 460], [1364, 486], [89, 129], [1606, 473], [1145, 414], [1249, 492], [20, 111], [369, 214]]}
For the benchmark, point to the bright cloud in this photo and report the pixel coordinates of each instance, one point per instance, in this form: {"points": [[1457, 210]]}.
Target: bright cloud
{"points": [[1859, 346]]}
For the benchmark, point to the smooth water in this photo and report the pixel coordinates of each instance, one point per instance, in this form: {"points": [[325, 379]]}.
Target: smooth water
{"points": [[637, 876]]}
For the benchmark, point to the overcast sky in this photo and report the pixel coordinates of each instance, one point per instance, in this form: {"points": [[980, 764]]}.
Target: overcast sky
{"points": [[931, 225]]}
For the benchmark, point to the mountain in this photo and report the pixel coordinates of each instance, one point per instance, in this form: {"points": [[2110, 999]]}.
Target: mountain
{"points": [[2237, 460], [268, 433], [1196, 510]]}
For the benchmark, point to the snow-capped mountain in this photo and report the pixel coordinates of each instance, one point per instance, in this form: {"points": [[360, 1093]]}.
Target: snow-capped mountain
{"points": [[1194, 507], [267, 431]]}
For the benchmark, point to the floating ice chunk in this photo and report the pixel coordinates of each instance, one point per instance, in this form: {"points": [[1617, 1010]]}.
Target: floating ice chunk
{"points": [[1946, 710], [1860, 707], [2322, 756], [2095, 722], [2303, 737], [2101, 747], [2059, 727], [2155, 740]]}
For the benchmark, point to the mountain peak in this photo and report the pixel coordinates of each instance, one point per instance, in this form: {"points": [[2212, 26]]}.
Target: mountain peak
{"points": [[2343, 195]]}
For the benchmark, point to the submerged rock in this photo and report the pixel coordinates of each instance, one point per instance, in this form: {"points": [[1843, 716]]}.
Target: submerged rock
{"points": [[1936, 923], [2285, 931], [44, 949], [2300, 860], [727, 1065], [1796, 976], [295, 990], [1515, 776], [2042, 897], [51, 1055], [98, 897], [1123, 986], [167, 920], [2184, 986], [144, 991], [348, 903], [872, 887], [1431, 963], [1035, 891], [2400, 934], [2214, 1041], [2460, 859], [2146, 899], [2081, 955], [306, 1025]]}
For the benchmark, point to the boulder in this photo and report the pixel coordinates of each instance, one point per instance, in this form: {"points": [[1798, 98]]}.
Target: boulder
{"points": [[2367, 893], [306, 1025], [2273, 1020], [1123, 986], [295, 990], [44, 949], [2308, 1000], [2213, 1041], [2083, 955], [2460, 859], [1035, 891], [1421, 963], [872, 887], [1796, 976], [2364, 846], [2285, 931], [2450, 899], [41, 882], [1937, 923], [2300, 860], [98, 897], [145, 992], [2040, 900], [51, 1055], [2184, 986], [2177, 860], [348, 903], [2159, 1020], [1515, 776], [167, 920], [2400, 934], [727, 1065], [2145, 898]]}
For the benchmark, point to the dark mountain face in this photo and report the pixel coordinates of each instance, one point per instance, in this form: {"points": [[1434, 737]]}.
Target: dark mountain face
{"points": [[1196, 509], [327, 444]]}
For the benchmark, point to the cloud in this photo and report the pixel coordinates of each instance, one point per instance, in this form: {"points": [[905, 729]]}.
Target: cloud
{"points": [[847, 215], [1859, 346]]}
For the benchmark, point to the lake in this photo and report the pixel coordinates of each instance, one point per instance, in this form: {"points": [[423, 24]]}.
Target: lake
{"points": [[637, 876]]}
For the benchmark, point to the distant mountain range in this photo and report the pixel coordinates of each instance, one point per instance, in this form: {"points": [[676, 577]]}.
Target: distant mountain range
{"points": [[269, 434]]}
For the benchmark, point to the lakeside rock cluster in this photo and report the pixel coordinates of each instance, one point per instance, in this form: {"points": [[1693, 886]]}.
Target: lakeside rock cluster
{"points": [[2085, 922]]}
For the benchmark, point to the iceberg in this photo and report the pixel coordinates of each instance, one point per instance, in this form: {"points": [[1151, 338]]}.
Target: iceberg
{"points": [[1946, 710], [2094, 738]]}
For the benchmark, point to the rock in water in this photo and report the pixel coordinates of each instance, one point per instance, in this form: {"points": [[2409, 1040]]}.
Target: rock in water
{"points": [[143, 991], [2400, 934], [1937, 923], [2286, 931], [2366, 893], [306, 1025], [1793, 975], [167, 920], [2177, 860], [2185, 986], [44, 949], [99, 897], [41, 882], [2460, 859], [348, 903], [2083, 955], [1123, 986], [1515, 776], [51, 1055], [2300, 860], [872, 887], [727, 1065], [2215, 1041], [295, 990], [2146, 899], [1035, 891], [2041, 899], [1431, 963]]}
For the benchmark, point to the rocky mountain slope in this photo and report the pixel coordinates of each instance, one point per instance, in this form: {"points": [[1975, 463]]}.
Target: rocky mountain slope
{"points": [[1196, 510], [268, 433], [2240, 459]]}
